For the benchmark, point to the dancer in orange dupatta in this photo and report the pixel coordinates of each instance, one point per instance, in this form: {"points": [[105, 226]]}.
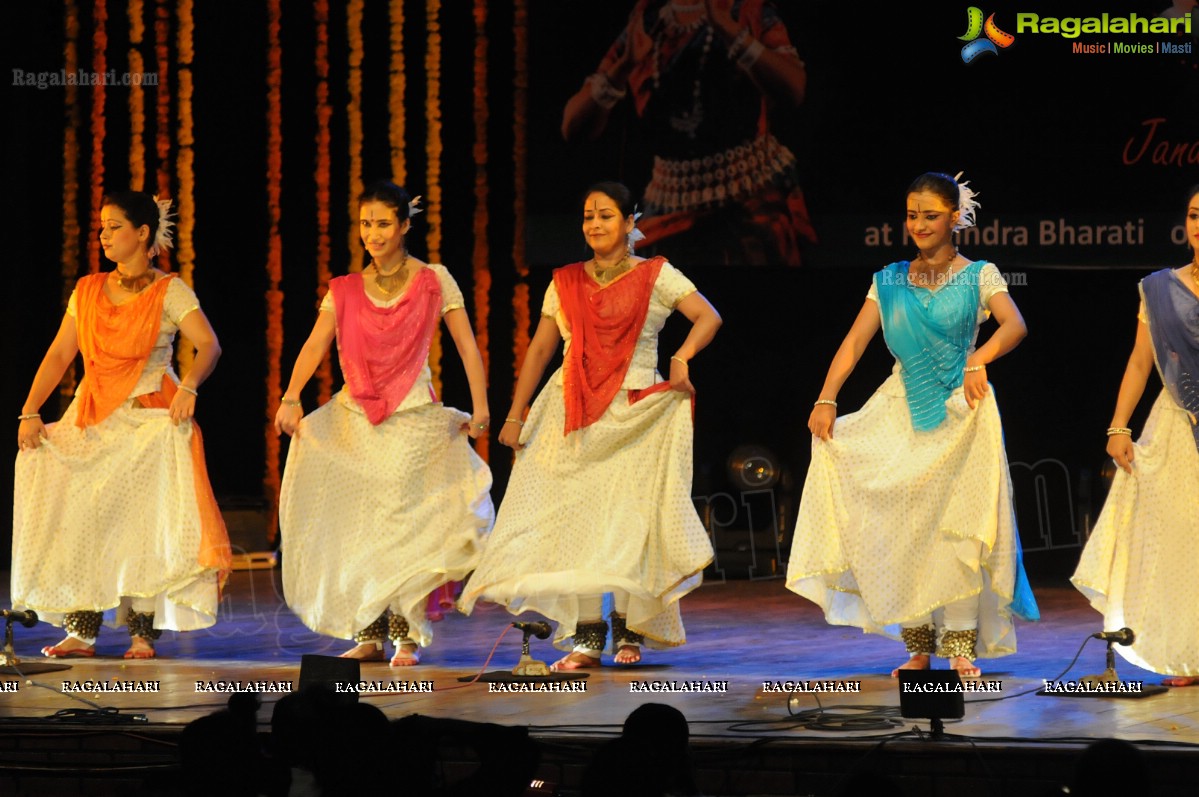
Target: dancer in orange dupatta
{"points": [[113, 511], [600, 497]]}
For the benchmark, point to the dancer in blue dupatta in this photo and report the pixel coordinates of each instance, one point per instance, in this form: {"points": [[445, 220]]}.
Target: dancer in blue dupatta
{"points": [[1138, 568], [906, 526]]}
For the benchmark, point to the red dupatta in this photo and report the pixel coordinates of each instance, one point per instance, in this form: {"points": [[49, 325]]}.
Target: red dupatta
{"points": [[115, 341], [604, 322], [383, 349]]}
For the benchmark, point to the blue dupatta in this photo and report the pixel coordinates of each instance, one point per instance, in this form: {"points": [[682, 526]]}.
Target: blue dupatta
{"points": [[1174, 328], [929, 332]]}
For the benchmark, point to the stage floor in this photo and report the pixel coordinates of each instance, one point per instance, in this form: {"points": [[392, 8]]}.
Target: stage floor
{"points": [[743, 633]]}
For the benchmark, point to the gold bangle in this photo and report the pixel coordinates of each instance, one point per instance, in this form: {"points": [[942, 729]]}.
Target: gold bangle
{"points": [[519, 423], [29, 416], [681, 361], [1115, 430], [290, 402], [829, 402], [972, 368]]}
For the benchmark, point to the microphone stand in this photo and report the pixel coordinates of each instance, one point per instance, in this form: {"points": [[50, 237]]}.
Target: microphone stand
{"points": [[11, 665], [1109, 674], [528, 665], [8, 657]]}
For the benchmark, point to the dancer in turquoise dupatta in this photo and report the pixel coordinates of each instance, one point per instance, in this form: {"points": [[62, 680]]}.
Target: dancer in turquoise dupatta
{"points": [[1138, 568], [906, 526]]}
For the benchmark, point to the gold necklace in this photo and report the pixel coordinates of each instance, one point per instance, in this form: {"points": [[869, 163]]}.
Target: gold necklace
{"points": [[940, 272], [134, 284], [395, 279], [605, 274], [1195, 270]]}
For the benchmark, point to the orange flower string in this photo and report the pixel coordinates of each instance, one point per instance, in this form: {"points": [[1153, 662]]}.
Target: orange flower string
{"points": [[70, 174], [433, 150], [481, 269], [137, 98], [274, 258], [185, 204], [320, 10], [162, 102], [99, 66], [520, 107], [354, 120], [399, 170]]}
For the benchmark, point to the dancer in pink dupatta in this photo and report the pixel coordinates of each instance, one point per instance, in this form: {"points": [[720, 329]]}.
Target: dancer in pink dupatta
{"points": [[383, 499]]}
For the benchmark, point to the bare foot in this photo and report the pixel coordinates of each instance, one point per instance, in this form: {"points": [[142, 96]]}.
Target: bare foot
{"points": [[628, 654], [1181, 680], [917, 662], [574, 661], [140, 648], [965, 668], [365, 651], [70, 648], [407, 655]]}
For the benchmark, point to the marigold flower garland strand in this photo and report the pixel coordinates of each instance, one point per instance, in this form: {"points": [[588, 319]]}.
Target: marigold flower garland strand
{"points": [[162, 101], [185, 157], [479, 258], [137, 98], [395, 102], [274, 259], [320, 9], [99, 67], [519, 154], [70, 173], [433, 170], [354, 121]]}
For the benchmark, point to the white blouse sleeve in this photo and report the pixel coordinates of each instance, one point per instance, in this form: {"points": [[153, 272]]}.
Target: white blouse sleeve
{"points": [[672, 287], [990, 283], [451, 294], [179, 301], [551, 305]]}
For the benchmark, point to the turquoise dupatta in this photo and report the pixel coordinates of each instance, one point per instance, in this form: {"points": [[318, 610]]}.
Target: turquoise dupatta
{"points": [[929, 332]]}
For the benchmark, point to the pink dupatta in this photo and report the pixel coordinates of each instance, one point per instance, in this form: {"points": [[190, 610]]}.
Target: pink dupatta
{"points": [[382, 350]]}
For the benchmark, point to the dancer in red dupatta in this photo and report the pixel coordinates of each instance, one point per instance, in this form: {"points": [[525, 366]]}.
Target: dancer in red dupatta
{"points": [[599, 503], [113, 512], [383, 500]]}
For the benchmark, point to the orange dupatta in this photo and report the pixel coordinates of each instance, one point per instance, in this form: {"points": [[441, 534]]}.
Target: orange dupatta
{"points": [[116, 341], [604, 322]]}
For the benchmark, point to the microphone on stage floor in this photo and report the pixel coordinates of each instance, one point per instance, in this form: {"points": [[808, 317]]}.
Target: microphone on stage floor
{"points": [[537, 629], [1124, 636], [27, 618]]}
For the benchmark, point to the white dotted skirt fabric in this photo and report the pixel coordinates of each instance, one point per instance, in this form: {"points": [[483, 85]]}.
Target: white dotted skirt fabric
{"points": [[1139, 566], [606, 508], [108, 513], [894, 524], [378, 517]]}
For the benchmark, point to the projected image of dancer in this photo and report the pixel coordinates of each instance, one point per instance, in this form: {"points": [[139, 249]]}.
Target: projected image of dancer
{"points": [[1138, 568], [704, 78], [906, 525], [600, 497], [383, 500], [114, 520]]}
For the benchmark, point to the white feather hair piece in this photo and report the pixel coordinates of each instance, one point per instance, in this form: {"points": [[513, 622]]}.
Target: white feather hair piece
{"points": [[636, 234], [967, 203], [414, 206], [164, 238]]}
